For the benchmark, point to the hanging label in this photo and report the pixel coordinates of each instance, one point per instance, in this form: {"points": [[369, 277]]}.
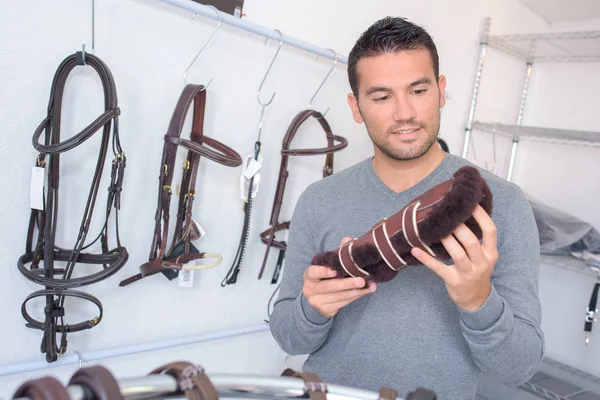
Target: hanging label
{"points": [[245, 185], [252, 166], [185, 278], [36, 191]]}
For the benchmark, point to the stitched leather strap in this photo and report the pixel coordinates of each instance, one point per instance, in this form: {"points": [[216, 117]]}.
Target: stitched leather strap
{"points": [[55, 310], [46, 388], [114, 258], [382, 241], [101, 384], [268, 236], [348, 263], [224, 154], [191, 380]]}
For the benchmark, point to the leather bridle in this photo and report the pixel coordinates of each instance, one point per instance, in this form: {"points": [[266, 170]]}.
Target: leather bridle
{"points": [[181, 252], [44, 247], [268, 236]]}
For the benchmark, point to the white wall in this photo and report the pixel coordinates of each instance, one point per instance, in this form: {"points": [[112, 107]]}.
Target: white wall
{"points": [[147, 46]]}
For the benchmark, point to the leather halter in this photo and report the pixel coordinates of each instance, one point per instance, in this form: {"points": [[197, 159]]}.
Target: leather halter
{"points": [[44, 247], [268, 236], [181, 251]]}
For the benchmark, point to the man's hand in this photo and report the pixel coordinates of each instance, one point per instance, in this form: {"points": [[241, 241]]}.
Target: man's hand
{"points": [[468, 280], [327, 294]]}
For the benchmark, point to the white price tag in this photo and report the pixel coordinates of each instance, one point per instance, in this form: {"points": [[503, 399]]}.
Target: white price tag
{"points": [[245, 184], [185, 278], [36, 191], [252, 167]]}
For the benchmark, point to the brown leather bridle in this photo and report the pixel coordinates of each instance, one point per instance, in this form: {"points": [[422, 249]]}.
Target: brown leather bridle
{"points": [[268, 236], [45, 248], [181, 251]]}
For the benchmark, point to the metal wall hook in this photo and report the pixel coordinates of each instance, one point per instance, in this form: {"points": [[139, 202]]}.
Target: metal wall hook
{"points": [[93, 35], [80, 359], [267, 73], [205, 44], [325, 80], [93, 27]]}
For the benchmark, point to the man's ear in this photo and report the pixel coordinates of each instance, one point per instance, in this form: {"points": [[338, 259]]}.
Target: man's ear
{"points": [[442, 85], [353, 103]]}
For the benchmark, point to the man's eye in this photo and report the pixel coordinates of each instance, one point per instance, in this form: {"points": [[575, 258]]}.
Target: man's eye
{"points": [[382, 98], [419, 91]]}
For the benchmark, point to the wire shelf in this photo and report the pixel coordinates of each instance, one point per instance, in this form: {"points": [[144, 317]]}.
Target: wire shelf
{"points": [[558, 381], [575, 371], [581, 46], [570, 263], [564, 136]]}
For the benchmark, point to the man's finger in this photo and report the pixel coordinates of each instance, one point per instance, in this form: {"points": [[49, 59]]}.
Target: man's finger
{"points": [[470, 244], [442, 270], [346, 296], [488, 229], [461, 259], [337, 285], [318, 272]]}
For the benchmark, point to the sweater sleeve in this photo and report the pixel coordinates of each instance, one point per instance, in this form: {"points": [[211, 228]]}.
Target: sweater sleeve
{"points": [[504, 334], [296, 326]]}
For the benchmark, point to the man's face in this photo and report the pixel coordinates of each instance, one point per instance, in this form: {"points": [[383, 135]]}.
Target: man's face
{"points": [[399, 101]]}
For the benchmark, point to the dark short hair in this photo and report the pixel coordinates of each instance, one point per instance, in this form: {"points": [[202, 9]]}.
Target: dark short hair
{"points": [[390, 35]]}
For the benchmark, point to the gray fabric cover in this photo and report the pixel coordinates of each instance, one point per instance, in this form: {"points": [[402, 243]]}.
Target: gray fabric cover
{"points": [[561, 233]]}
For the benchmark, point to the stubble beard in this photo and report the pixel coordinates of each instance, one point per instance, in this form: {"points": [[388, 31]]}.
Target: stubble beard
{"points": [[384, 145]]}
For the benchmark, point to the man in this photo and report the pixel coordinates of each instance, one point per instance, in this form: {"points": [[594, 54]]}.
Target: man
{"points": [[436, 325]]}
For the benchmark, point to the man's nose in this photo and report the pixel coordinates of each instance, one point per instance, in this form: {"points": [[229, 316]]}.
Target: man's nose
{"points": [[403, 109]]}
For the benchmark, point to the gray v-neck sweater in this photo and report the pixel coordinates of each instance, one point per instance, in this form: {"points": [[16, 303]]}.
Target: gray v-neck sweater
{"points": [[409, 333]]}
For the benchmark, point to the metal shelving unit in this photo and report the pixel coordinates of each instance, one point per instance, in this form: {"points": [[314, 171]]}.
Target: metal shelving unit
{"points": [[534, 48], [554, 380]]}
